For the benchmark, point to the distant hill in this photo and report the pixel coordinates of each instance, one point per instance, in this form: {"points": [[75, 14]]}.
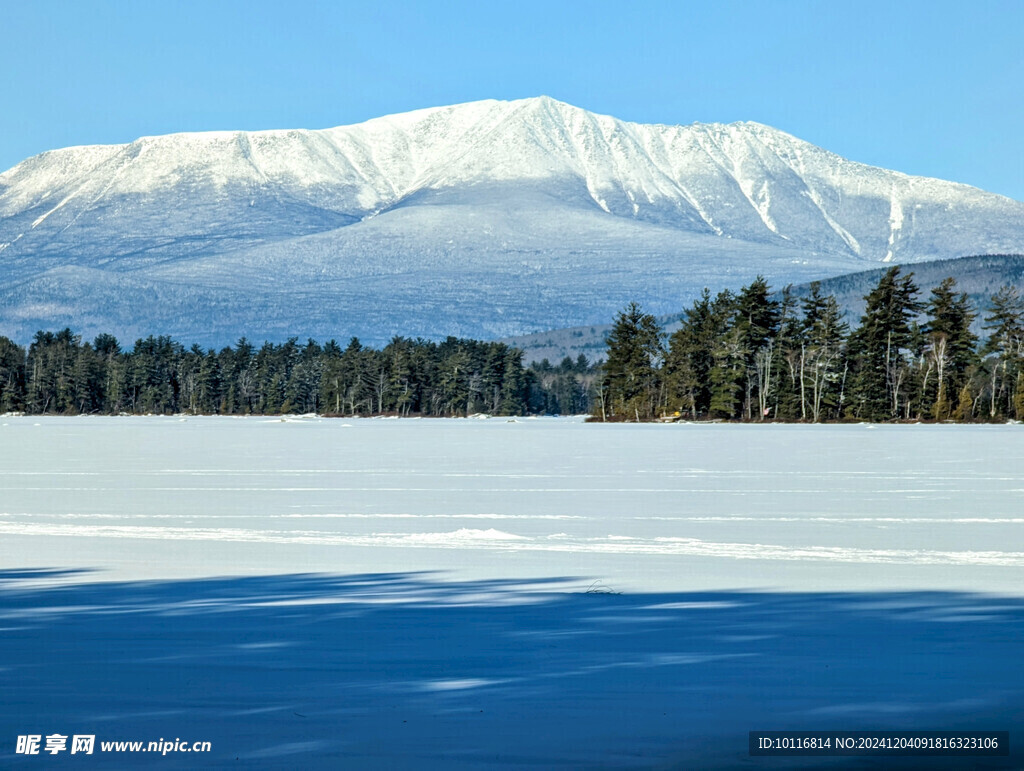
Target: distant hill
{"points": [[980, 276]]}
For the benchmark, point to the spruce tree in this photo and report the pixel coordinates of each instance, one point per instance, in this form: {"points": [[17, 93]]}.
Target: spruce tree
{"points": [[1005, 348], [514, 385], [757, 323], [949, 349], [728, 375], [209, 385], [878, 346], [114, 369], [690, 357], [729, 359], [631, 371], [822, 358], [88, 377], [787, 349], [12, 376]]}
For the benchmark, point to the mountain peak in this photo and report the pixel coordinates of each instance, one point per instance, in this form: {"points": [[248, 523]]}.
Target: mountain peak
{"points": [[549, 215]]}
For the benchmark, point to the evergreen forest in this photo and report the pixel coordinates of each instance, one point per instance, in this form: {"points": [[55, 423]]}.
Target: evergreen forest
{"points": [[749, 355], [59, 373]]}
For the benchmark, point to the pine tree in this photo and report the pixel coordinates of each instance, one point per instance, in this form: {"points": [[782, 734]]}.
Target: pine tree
{"points": [[787, 349], [153, 375], [454, 375], [514, 385], [88, 377], [210, 384], [690, 357], [302, 390], [722, 357], [331, 391], [728, 374], [402, 376], [822, 361], [12, 376], [239, 377], [114, 369], [631, 371], [878, 347], [50, 372], [757, 322], [1005, 348], [949, 349]]}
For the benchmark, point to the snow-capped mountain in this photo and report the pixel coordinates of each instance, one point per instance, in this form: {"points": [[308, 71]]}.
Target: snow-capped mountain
{"points": [[485, 219]]}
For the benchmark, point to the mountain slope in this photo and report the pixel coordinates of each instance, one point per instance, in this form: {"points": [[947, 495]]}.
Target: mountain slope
{"points": [[979, 276], [489, 219]]}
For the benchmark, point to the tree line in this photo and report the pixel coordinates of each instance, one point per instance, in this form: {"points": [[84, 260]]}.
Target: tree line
{"points": [[59, 373], [750, 356]]}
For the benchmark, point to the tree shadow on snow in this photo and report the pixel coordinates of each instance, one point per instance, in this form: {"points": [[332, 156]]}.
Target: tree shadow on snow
{"points": [[411, 671]]}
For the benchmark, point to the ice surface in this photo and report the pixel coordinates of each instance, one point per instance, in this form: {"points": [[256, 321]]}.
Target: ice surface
{"points": [[642, 507], [442, 593]]}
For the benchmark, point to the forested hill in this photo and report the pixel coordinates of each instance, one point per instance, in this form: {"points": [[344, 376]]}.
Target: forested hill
{"points": [[979, 276]]}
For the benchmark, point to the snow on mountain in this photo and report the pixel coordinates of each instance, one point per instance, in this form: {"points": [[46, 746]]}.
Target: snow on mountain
{"points": [[489, 218]]}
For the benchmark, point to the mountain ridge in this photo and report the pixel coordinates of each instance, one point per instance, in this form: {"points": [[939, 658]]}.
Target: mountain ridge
{"points": [[534, 196]]}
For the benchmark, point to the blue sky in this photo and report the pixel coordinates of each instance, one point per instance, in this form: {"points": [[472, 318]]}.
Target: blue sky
{"points": [[932, 88]]}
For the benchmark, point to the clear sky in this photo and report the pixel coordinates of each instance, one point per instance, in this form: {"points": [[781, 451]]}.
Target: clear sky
{"points": [[933, 88]]}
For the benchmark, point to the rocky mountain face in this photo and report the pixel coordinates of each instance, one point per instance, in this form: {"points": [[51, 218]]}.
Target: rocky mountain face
{"points": [[486, 219]]}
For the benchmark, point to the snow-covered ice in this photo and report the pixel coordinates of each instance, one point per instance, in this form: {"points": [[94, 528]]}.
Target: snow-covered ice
{"points": [[480, 593], [641, 507]]}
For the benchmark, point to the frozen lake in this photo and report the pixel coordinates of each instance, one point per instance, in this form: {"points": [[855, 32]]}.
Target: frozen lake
{"points": [[637, 507], [309, 593]]}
